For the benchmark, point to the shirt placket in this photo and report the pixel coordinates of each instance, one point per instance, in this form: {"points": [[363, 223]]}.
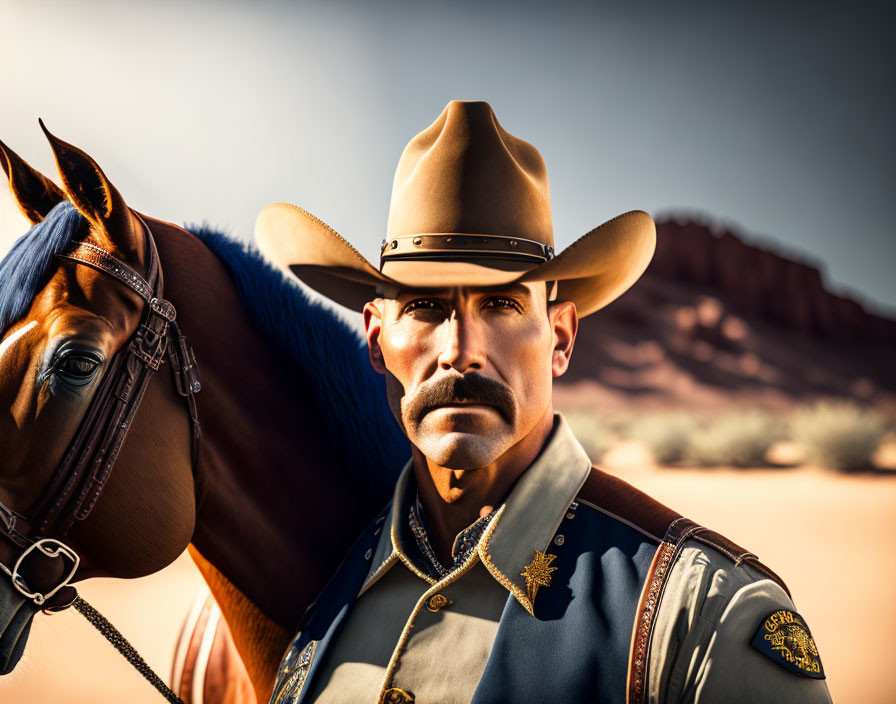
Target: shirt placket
{"points": [[424, 614]]}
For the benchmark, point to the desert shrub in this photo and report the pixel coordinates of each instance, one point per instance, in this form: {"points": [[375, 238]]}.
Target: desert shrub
{"points": [[592, 431], [740, 439], [838, 435], [665, 435], [619, 425]]}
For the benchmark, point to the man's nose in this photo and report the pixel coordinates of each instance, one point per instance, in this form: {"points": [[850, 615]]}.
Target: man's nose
{"points": [[463, 348]]}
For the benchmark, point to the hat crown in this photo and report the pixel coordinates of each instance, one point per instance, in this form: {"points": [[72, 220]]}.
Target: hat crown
{"points": [[470, 207], [465, 174]]}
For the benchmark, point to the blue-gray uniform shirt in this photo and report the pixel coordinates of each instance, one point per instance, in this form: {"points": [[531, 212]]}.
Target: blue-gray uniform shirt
{"points": [[542, 609]]}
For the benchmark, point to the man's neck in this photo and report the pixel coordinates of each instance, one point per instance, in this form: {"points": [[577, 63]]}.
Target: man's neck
{"points": [[454, 498]]}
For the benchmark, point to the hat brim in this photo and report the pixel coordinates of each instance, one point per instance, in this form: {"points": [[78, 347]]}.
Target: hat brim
{"points": [[593, 271]]}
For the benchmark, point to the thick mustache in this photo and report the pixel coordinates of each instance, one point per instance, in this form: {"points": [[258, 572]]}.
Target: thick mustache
{"points": [[470, 388]]}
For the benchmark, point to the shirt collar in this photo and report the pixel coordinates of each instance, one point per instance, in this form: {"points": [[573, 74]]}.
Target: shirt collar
{"points": [[524, 523], [424, 555], [534, 509]]}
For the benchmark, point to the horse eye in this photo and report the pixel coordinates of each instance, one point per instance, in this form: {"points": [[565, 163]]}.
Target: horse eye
{"points": [[77, 367]]}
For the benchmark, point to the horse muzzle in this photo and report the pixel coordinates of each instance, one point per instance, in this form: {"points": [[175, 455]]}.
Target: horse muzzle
{"points": [[16, 614], [50, 565]]}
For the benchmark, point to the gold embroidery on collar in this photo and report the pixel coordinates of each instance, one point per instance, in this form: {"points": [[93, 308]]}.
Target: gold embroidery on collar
{"points": [[538, 573], [396, 543], [496, 573], [374, 575]]}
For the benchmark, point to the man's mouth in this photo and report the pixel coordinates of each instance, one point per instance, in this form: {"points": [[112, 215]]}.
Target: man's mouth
{"points": [[466, 405]]}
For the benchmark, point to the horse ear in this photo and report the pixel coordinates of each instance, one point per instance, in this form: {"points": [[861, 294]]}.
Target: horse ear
{"points": [[35, 194], [96, 198]]}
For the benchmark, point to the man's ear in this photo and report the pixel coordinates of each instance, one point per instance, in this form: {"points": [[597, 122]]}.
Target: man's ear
{"points": [[565, 324], [373, 326]]}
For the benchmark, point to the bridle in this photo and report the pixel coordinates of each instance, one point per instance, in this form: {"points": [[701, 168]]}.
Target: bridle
{"points": [[80, 477]]}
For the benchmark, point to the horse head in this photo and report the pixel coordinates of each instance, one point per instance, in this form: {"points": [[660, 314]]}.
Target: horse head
{"points": [[61, 326]]}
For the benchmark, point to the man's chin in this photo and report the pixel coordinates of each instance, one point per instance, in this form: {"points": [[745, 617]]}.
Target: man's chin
{"points": [[463, 450]]}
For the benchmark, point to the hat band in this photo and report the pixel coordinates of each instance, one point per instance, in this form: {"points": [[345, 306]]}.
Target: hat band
{"points": [[449, 246]]}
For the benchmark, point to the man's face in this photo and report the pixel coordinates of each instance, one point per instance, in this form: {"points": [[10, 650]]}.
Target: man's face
{"points": [[469, 370]]}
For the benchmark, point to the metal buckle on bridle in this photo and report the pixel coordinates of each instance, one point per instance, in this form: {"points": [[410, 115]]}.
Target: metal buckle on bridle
{"points": [[48, 547], [163, 308], [150, 341]]}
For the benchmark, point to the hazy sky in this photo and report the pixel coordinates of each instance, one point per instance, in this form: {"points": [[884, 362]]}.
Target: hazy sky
{"points": [[777, 120]]}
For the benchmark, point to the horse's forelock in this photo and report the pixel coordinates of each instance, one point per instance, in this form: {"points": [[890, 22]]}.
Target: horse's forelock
{"points": [[25, 269]]}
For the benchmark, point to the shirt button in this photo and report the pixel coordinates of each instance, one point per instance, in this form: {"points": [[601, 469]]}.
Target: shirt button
{"points": [[559, 540], [397, 696], [437, 602]]}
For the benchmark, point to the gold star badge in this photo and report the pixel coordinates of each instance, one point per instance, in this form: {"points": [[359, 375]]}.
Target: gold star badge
{"points": [[538, 573]]}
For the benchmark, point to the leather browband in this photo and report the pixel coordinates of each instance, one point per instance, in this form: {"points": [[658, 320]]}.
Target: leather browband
{"points": [[101, 260], [441, 246]]}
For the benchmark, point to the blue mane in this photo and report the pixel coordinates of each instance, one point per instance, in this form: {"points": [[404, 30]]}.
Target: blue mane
{"points": [[314, 340], [25, 270]]}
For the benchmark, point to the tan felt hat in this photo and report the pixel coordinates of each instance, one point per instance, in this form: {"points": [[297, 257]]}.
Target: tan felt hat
{"points": [[470, 207]]}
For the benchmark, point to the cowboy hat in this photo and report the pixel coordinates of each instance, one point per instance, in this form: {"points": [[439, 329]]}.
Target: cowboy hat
{"points": [[470, 207]]}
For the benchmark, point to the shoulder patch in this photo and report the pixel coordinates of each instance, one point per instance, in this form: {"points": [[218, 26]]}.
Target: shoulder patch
{"points": [[784, 637]]}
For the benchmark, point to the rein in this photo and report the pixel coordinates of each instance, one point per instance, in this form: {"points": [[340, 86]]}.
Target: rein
{"points": [[81, 475]]}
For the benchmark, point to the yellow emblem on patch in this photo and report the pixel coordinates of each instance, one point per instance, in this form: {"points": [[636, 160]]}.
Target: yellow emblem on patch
{"points": [[538, 573], [784, 637]]}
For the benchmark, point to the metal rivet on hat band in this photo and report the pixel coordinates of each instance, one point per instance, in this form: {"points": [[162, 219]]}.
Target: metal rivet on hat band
{"points": [[443, 246]]}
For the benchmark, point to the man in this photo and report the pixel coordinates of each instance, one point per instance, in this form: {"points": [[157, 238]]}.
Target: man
{"points": [[507, 568]]}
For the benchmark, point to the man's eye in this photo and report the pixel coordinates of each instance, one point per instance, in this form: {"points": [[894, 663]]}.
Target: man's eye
{"points": [[502, 302], [422, 304]]}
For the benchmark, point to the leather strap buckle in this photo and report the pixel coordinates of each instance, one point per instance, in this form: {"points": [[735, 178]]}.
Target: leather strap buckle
{"points": [[48, 547], [463, 246], [163, 308], [150, 343]]}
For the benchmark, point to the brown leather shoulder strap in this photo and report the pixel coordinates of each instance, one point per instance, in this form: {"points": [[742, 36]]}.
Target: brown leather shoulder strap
{"points": [[737, 554], [615, 497], [678, 532], [671, 530]]}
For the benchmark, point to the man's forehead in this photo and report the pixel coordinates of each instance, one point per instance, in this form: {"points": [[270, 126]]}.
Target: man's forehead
{"points": [[514, 288]]}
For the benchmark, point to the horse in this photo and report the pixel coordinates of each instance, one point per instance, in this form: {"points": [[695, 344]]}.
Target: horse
{"points": [[296, 452]]}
